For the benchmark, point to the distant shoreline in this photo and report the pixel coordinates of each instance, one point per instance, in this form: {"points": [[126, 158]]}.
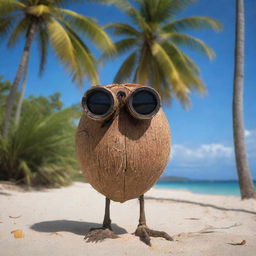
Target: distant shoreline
{"points": [[210, 187], [177, 178]]}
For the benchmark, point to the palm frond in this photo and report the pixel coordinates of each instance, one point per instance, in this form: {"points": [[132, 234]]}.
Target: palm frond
{"points": [[196, 22], [161, 10], [133, 13], [191, 64], [125, 72], [20, 29], [190, 42], [10, 6], [122, 47], [165, 62], [122, 29], [5, 25], [38, 10], [43, 40], [141, 74], [85, 25], [157, 79], [171, 73], [27, 172], [125, 45], [179, 5], [61, 43], [156, 11], [86, 62], [187, 74]]}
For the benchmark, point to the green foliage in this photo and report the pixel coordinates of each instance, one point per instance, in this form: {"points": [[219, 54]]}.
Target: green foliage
{"points": [[45, 106], [4, 90], [40, 150], [61, 28], [155, 41]]}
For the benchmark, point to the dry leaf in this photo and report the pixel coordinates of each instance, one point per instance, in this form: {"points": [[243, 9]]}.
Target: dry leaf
{"points": [[192, 218], [18, 233], [243, 242], [16, 217], [55, 233]]}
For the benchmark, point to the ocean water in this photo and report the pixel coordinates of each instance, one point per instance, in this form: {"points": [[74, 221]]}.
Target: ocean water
{"points": [[203, 187]]}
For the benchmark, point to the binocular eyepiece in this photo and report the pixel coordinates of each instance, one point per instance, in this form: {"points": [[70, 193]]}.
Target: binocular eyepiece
{"points": [[99, 103]]}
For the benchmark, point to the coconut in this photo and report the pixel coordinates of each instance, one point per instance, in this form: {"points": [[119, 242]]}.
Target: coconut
{"points": [[122, 158]]}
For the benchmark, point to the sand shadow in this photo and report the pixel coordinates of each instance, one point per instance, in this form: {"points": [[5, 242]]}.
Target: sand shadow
{"points": [[76, 227], [200, 204], [5, 194]]}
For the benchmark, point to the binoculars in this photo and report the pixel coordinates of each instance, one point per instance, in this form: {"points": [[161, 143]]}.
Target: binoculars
{"points": [[100, 103]]}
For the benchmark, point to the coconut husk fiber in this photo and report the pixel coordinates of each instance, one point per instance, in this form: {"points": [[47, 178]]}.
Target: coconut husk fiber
{"points": [[124, 159]]}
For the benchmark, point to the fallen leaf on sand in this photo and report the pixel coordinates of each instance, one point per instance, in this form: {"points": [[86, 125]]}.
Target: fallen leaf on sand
{"points": [[192, 218], [241, 243], [18, 233], [55, 233], [15, 217]]}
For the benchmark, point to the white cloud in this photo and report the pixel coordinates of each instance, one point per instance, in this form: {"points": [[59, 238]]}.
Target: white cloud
{"points": [[202, 156], [203, 151], [247, 133], [250, 137], [214, 160], [214, 154], [250, 134]]}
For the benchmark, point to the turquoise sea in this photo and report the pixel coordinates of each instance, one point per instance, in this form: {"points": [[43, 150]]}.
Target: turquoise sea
{"points": [[203, 187]]}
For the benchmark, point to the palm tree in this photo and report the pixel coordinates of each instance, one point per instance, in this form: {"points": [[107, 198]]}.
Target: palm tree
{"points": [[245, 180], [21, 96], [155, 43], [46, 22]]}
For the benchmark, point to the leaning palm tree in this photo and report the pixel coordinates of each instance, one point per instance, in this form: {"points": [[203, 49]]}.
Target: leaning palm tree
{"points": [[46, 22], [245, 180], [21, 97], [155, 43]]}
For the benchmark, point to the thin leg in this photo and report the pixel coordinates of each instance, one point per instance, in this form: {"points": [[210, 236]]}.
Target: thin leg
{"points": [[107, 220], [143, 231], [99, 234], [142, 219]]}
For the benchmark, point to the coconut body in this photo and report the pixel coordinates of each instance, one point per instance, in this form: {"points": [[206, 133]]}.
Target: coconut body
{"points": [[123, 159]]}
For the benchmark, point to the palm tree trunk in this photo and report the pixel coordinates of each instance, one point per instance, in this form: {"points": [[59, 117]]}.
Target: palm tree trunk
{"points": [[14, 88], [23, 88], [245, 180]]}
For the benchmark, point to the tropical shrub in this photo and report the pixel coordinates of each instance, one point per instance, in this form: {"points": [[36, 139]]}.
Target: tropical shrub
{"points": [[40, 150]]}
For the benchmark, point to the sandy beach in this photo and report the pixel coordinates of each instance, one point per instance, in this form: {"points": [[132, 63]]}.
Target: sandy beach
{"points": [[54, 222]]}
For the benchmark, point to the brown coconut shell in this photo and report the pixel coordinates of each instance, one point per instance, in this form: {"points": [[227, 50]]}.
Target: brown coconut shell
{"points": [[124, 159]]}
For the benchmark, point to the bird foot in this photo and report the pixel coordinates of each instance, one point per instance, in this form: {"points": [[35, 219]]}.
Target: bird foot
{"points": [[144, 233], [99, 234]]}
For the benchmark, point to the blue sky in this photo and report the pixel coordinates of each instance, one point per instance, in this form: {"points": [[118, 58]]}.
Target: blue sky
{"points": [[202, 144]]}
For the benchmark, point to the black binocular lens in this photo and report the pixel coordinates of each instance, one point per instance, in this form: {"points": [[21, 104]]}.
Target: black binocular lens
{"points": [[144, 103], [99, 102]]}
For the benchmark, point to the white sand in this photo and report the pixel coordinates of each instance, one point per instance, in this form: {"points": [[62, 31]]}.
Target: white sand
{"points": [[55, 221]]}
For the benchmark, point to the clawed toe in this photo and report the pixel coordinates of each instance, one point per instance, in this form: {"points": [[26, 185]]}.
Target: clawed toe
{"points": [[144, 233], [98, 235]]}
